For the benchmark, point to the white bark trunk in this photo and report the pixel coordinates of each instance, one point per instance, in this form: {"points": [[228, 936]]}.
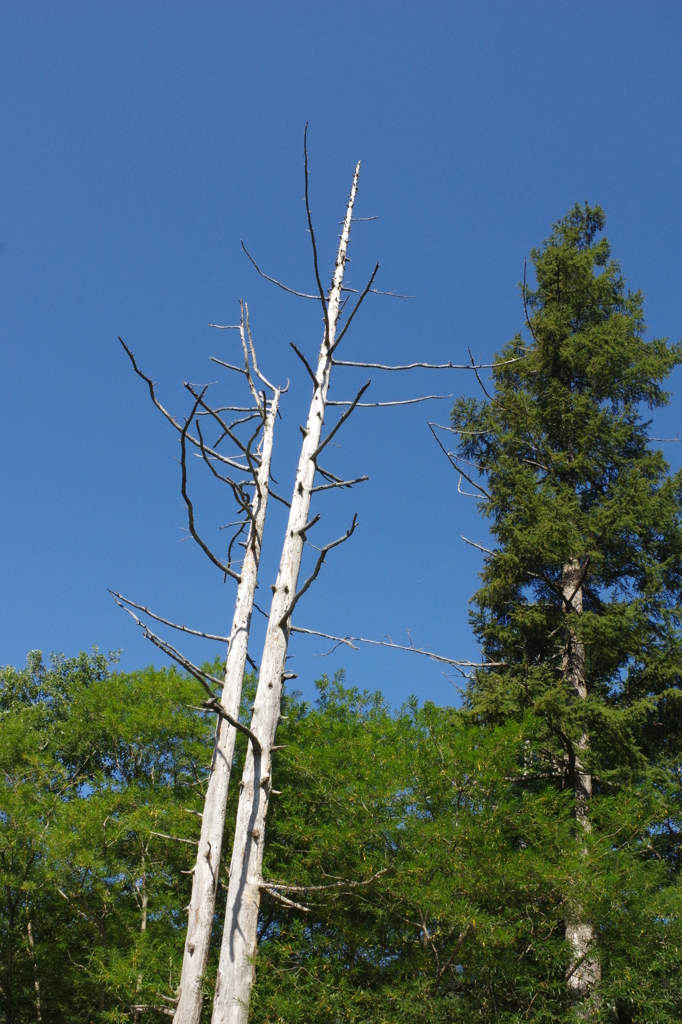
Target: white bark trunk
{"points": [[584, 973], [236, 971], [207, 867]]}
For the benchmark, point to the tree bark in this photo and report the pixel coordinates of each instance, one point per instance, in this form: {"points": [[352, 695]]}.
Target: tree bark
{"points": [[34, 964], [236, 971], [206, 870], [584, 972], [144, 903]]}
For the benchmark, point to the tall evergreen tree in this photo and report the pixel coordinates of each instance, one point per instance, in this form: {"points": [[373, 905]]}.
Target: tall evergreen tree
{"points": [[580, 600]]}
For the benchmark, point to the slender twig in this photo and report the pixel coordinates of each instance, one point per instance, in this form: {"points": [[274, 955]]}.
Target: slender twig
{"points": [[278, 497], [356, 307], [176, 839], [475, 545], [340, 483], [343, 419], [428, 366], [292, 291], [190, 508], [205, 678], [525, 305], [254, 360], [307, 365], [312, 235], [342, 883], [452, 460], [349, 641], [167, 622], [240, 496], [171, 419], [318, 565], [385, 405]]}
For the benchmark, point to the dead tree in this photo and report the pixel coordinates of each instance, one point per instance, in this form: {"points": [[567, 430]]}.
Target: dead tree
{"points": [[252, 461]]}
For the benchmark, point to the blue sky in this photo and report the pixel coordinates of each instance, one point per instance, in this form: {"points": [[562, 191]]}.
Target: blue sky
{"points": [[142, 141]]}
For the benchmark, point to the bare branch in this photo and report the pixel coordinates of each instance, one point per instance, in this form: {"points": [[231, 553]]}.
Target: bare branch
{"points": [[349, 641], [478, 378], [292, 291], [283, 899], [428, 366], [176, 839], [205, 678], [277, 497], [475, 545], [452, 460], [151, 386], [318, 565], [312, 235], [385, 405], [307, 365], [342, 883], [525, 304], [355, 309], [343, 419], [227, 431], [228, 366], [302, 530], [190, 508], [167, 622], [254, 360], [340, 483], [240, 496]]}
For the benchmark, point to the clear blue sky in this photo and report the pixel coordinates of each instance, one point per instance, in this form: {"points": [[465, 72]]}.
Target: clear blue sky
{"points": [[142, 141]]}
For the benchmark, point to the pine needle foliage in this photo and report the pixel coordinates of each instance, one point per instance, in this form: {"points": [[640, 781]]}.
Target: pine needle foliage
{"points": [[560, 445]]}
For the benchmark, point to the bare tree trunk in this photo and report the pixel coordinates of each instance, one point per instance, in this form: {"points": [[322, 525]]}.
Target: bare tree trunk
{"points": [[236, 971], [144, 903], [36, 981], [207, 867], [584, 973]]}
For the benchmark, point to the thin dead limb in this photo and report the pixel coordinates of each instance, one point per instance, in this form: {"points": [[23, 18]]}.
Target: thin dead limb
{"points": [[312, 240], [223, 566], [428, 366], [356, 307], [176, 839], [350, 641], [340, 483], [332, 433], [273, 280], [202, 677], [167, 622], [454, 462], [386, 405], [475, 545], [342, 883], [318, 565]]}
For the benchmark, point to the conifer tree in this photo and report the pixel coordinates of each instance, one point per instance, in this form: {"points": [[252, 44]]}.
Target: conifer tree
{"points": [[580, 600]]}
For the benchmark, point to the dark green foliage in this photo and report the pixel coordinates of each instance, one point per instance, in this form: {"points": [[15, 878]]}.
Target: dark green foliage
{"points": [[476, 868], [569, 476], [92, 763], [483, 864]]}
